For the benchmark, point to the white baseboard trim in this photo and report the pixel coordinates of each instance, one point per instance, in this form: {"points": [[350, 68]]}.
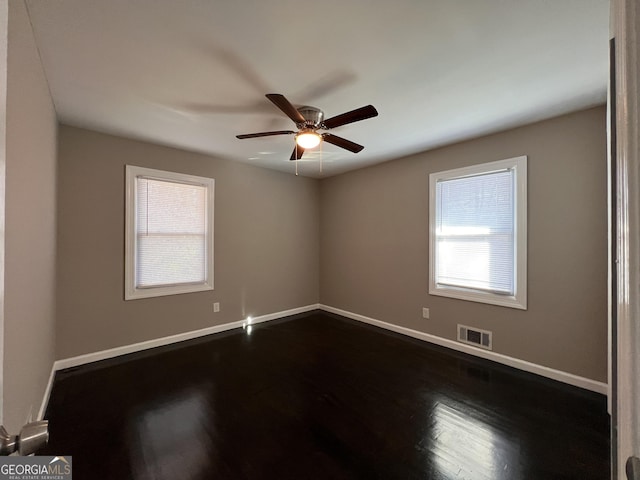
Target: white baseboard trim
{"points": [[571, 379], [158, 342], [180, 337], [561, 376]]}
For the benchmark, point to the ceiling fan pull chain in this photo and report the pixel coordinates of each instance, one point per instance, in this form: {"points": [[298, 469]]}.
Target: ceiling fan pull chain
{"points": [[296, 161]]}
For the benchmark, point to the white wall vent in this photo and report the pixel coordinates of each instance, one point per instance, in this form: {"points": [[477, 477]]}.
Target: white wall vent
{"points": [[475, 336]]}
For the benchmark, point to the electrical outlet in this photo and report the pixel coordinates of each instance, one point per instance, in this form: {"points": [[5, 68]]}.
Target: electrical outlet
{"points": [[216, 307], [425, 312]]}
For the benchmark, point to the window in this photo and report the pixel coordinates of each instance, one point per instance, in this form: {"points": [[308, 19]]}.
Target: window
{"points": [[478, 233], [169, 233]]}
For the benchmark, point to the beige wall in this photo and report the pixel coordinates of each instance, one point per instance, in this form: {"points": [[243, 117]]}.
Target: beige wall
{"points": [[30, 238], [266, 244], [369, 228], [374, 244]]}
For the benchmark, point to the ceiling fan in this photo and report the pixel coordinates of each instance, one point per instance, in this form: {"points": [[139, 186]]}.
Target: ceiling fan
{"points": [[309, 120]]}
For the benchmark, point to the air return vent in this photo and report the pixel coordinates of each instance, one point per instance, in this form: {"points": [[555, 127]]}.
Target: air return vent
{"points": [[474, 336]]}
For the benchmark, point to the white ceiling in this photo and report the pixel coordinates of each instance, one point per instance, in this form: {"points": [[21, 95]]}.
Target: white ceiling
{"points": [[193, 73]]}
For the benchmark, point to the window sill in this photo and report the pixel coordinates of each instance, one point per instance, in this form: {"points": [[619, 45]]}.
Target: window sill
{"points": [[519, 301], [136, 293]]}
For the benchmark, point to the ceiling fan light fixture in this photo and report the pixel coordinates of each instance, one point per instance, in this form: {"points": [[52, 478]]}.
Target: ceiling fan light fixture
{"points": [[309, 120], [308, 139]]}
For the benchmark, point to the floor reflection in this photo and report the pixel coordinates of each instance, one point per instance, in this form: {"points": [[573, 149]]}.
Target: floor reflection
{"points": [[464, 447], [173, 439]]}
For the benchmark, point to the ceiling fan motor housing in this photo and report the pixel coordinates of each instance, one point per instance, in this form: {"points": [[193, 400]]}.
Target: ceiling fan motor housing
{"points": [[313, 116]]}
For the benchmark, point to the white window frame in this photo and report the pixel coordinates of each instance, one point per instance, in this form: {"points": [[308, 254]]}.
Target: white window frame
{"points": [[131, 291], [519, 299]]}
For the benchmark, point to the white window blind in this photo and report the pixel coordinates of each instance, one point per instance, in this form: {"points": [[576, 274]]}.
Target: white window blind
{"points": [[475, 232], [168, 233], [171, 230], [478, 233]]}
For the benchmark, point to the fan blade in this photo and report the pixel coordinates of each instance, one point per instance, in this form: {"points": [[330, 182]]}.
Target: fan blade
{"points": [[356, 115], [265, 134], [297, 153], [284, 105], [342, 142]]}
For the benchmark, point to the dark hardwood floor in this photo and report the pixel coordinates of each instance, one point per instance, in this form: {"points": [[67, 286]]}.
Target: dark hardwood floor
{"points": [[321, 397]]}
